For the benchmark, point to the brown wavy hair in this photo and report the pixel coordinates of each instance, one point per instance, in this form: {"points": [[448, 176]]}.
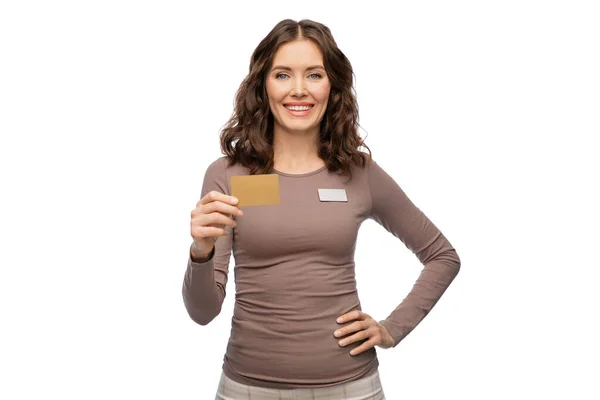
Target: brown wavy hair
{"points": [[247, 137]]}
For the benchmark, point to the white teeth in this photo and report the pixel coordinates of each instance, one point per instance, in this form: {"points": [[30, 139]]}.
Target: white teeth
{"points": [[298, 108]]}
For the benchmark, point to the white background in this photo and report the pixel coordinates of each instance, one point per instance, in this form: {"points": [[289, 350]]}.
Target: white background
{"points": [[484, 112]]}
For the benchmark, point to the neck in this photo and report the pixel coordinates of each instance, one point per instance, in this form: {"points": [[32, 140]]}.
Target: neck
{"points": [[296, 151]]}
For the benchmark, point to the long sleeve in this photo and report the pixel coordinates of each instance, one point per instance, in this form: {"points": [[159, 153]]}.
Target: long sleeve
{"points": [[204, 283], [392, 209]]}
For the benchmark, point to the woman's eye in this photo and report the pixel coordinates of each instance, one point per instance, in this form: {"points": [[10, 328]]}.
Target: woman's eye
{"points": [[281, 76], [314, 76]]}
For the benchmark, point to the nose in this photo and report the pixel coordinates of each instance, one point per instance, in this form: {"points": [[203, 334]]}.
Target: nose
{"points": [[299, 89]]}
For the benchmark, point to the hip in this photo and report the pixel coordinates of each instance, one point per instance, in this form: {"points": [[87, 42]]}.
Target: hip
{"points": [[366, 388]]}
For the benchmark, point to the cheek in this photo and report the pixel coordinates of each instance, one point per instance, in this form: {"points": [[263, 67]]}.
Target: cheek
{"points": [[275, 92], [322, 93], [270, 93]]}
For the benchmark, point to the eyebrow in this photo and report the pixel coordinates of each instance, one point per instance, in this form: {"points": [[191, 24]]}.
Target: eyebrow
{"points": [[283, 67]]}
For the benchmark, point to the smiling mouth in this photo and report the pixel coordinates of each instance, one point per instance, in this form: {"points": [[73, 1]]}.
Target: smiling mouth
{"points": [[299, 108]]}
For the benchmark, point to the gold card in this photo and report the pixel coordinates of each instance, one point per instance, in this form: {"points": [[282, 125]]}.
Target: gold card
{"points": [[255, 190]]}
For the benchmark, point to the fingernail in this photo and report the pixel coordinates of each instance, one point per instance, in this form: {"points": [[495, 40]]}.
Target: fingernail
{"points": [[235, 200], [337, 333], [342, 342], [340, 319]]}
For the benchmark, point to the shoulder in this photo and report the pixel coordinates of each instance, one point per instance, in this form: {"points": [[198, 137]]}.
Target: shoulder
{"points": [[223, 166], [377, 175], [370, 165], [220, 164], [217, 176]]}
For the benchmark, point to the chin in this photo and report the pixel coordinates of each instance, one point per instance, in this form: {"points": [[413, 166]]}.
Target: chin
{"points": [[298, 127], [296, 124]]}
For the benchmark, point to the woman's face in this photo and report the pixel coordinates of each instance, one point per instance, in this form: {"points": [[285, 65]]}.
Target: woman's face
{"points": [[298, 87]]}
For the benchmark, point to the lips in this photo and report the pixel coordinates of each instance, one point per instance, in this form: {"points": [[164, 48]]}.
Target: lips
{"points": [[298, 106]]}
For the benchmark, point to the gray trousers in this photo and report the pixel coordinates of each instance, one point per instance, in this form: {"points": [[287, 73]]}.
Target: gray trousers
{"points": [[367, 388]]}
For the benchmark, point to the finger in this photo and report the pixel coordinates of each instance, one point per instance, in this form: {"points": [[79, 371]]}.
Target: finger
{"points": [[222, 208], [213, 195], [352, 315], [214, 218], [358, 336], [353, 327], [207, 231], [363, 347]]}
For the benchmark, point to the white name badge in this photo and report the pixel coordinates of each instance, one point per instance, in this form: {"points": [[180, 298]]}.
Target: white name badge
{"points": [[332, 195]]}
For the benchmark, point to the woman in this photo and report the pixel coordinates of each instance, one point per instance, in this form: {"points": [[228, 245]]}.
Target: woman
{"points": [[298, 329]]}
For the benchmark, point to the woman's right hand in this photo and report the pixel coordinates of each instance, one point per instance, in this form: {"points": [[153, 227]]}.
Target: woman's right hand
{"points": [[209, 218]]}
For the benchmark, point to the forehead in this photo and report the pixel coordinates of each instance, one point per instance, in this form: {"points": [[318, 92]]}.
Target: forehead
{"points": [[298, 53]]}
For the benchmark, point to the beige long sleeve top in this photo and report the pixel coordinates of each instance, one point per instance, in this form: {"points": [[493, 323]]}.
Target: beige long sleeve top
{"points": [[294, 275]]}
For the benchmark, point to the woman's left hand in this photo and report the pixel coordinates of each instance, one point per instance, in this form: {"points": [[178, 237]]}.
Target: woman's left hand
{"points": [[365, 328]]}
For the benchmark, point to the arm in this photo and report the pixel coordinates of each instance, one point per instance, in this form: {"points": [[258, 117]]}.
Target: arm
{"points": [[205, 279], [392, 209]]}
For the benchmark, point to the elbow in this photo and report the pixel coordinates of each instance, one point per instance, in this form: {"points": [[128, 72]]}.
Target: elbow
{"points": [[454, 261], [201, 312], [441, 253], [449, 261], [202, 316]]}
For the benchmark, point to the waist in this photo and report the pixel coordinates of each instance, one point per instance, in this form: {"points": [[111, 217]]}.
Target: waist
{"points": [[284, 355], [298, 374]]}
